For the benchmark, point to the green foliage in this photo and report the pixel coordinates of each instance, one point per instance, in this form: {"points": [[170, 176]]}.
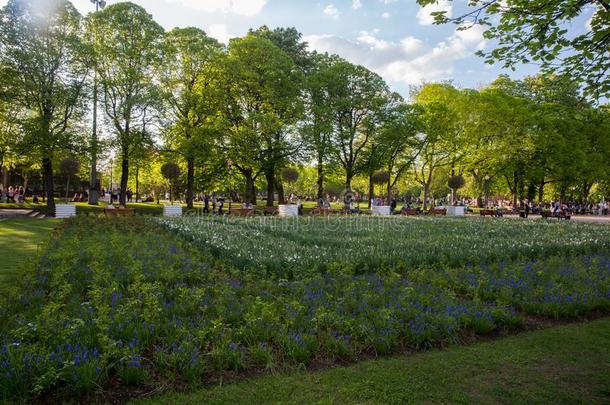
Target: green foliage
{"points": [[290, 175], [44, 70], [541, 32], [456, 182], [170, 171], [380, 177], [69, 166]]}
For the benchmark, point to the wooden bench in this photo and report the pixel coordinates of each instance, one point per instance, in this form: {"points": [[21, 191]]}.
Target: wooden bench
{"points": [[559, 215], [491, 213], [271, 211], [322, 211], [243, 212], [437, 211], [119, 211], [409, 212]]}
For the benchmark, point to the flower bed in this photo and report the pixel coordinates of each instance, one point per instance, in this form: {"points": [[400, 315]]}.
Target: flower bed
{"points": [[291, 248], [132, 304]]}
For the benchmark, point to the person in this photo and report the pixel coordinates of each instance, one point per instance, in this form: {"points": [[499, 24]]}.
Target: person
{"points": [[206, 204], [320, 202], [129, 195], [393, 205], [299, 206], [527, 209], [214, 201], [220, 204], [605, 208]]}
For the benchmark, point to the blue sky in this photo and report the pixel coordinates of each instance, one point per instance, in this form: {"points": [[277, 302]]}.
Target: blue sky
{"points": [[395, 38]]}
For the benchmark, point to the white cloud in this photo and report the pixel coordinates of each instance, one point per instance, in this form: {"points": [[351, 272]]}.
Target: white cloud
{"points": [[220, 32], [331, 11], [356, 4], [386, 15], [424, 14], [408, 61], [247, 8]]}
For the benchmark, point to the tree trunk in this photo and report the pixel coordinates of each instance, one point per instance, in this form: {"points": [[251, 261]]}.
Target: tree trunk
{"points": [[190, 181], [68, 187], [320, 180], [516, 189], [25, 184], [270, 176], [47, 167], [124, 179], [541, 191], [279, 186], [137, 183], [371, 190], [426, 192], [5, 177]]}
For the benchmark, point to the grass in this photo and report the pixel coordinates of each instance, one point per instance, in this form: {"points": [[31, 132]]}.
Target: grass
{"points": [[20, 240], [564, 364]]}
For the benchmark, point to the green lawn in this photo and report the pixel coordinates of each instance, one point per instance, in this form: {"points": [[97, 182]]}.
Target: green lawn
{"points": [[564, 364], [19, 241]]}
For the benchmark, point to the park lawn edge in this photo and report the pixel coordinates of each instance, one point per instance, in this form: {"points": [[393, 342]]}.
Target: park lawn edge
{"points": [[564, 363]]}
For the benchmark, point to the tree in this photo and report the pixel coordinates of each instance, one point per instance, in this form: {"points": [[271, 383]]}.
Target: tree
{"points": [[540, 31], [379, 177], [317, 128], [45, 61], [127, 43], [69, 167], [187, 54], [442, 137], [398, 139], [262, 105], [356, 98], [171, 172]]}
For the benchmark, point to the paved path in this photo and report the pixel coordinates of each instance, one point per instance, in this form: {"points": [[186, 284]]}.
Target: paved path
{"points": [[598, 219], [6, 213]]}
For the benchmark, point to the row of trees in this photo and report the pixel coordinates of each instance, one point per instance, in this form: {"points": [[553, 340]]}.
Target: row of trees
{"points": [[264, 103]]}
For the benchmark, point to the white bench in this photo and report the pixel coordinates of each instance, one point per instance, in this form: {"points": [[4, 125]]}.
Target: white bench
{"points": [[65, 210], [172, 210]]}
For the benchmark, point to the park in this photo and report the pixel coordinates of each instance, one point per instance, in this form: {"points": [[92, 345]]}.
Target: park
{"points": [[189, 218]]}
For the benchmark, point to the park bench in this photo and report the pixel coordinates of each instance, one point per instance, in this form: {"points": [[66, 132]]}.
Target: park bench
{"points": [[409, 212], [243, 212], [491, 213], [119, 212], [558, 215], [271, 211], [438, 211], [321, 211]]}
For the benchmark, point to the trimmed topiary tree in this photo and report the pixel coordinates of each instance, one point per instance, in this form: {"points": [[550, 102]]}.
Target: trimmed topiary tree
{"points": [[170, 171], [69, 167]]}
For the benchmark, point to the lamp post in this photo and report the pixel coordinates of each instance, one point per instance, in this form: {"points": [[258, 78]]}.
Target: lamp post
{"points": [[93, 188], [230, 165]]}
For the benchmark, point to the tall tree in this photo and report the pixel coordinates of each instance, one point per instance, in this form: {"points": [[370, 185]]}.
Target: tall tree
{"points": [[357, 98], [44, 58], [317, 127], [263, 105], [542, 31], [127, 43], [442, 138], [187, 54]]}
